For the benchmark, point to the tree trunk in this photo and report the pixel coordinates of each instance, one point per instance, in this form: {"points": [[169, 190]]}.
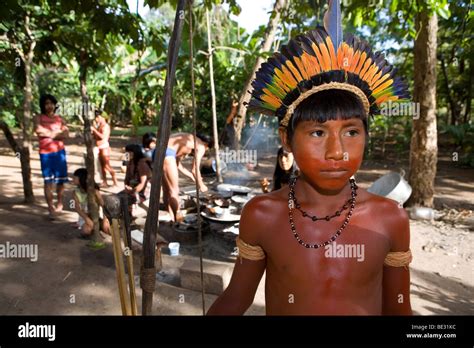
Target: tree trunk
{"points": [[92, 206], [268, 39], [26, 146], [148, 271], [213, 98], [424, 147]]}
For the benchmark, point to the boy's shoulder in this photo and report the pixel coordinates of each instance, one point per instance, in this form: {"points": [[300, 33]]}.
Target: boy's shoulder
{"points": [[390, 209], [261, 213], [390, 214]]}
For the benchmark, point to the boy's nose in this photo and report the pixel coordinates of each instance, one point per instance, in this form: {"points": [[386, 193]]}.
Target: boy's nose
{"points": [[334, 148]]}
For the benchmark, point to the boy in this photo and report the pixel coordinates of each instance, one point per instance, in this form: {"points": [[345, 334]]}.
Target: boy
{"points": [[327, 246]]}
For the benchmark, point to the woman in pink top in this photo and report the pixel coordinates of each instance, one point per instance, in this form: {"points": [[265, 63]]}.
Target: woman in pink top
{"points": [[52, 130]]}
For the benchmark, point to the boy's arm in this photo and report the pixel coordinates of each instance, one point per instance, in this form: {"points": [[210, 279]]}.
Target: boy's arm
{"points": [[239, 295], [396, 280]]}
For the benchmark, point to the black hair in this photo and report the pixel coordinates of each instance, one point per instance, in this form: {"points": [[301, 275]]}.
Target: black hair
{"points": [[281, 176], [98, 112], [137, 151], [206, 139], [81, 173], [147, 139], [333, 104], [43, 99]]}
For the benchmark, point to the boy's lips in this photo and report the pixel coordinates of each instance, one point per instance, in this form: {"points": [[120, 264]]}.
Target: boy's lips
{"points": [[334, 172]]}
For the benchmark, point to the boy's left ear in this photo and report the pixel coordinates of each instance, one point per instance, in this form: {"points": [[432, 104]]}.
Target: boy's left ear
{"points": [[285, 141]]}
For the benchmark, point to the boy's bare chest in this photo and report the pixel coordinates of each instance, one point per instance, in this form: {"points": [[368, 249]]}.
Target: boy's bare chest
{"points": [[356, 256]]}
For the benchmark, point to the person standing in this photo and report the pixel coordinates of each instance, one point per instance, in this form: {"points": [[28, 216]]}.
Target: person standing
{"points": [[101, 133], [51, 131]]}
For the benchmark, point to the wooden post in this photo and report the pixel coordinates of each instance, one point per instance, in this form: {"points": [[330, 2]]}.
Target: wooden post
{"points": [[148, 271], [198, 201], [120, 269], [213, 97]]}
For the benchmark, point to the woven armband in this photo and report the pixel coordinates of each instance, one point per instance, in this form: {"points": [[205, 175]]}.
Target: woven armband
{"points": [[398, 259], [249, 252]]}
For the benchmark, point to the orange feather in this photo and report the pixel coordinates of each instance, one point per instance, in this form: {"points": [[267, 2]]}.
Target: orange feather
{"points": [[354, 61], [366, 67], [295, 71], [370, 73], [326, 57], [301, 67], [332, 53], [270, 98], [362, 59]]}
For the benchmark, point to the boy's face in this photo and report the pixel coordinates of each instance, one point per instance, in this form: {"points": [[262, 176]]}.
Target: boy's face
{"points": [[328, 153]]}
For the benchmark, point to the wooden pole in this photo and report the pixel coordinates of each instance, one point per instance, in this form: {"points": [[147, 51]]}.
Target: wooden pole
{"points": [[148, 271], [198, 201], [120, 269], [213, 97]]}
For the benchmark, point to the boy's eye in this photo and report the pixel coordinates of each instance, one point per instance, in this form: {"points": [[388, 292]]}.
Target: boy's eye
{"points": [[352, 133], [318, 133]]}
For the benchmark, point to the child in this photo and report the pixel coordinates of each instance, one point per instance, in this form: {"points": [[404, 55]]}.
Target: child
{"points": [[284, 168], [80, 199], [149, 145], [327, 246], [137, 176], [101, 133]]}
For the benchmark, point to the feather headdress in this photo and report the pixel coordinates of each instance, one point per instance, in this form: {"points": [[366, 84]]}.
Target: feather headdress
{"points": [[320, 60]]}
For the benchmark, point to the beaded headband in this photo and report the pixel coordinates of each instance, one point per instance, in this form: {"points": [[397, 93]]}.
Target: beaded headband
{"points": [[320, 60]]}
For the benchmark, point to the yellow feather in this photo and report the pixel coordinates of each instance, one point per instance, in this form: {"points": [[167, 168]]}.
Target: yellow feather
{"points": [[382, 79], [382, 86], [375, 78]]}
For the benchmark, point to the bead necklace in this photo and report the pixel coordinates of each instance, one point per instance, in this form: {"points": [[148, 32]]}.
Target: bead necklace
{"points": [[292, 203]]}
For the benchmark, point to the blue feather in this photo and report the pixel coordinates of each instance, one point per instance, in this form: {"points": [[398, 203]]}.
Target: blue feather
{"points": [[333, 23]]}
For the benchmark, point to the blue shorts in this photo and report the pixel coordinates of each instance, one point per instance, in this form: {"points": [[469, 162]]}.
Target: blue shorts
{"points": [[54, 167], [170, 152]]}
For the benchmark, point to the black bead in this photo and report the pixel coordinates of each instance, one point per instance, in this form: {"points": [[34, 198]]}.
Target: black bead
{"points": [[304, 214], [327, 218], [338, 213], [314, 218]]}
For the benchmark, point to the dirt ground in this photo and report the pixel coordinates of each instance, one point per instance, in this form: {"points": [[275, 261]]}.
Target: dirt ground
{"points": [[71, 279]]}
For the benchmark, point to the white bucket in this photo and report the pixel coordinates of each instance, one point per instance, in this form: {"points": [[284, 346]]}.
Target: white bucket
{"points": [[393, 186], [174, 248]]}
